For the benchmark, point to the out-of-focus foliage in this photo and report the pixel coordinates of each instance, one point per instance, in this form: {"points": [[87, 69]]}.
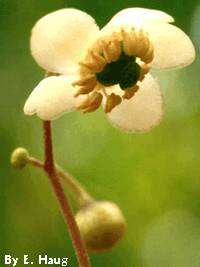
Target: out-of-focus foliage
{"points": [[154, 178]]}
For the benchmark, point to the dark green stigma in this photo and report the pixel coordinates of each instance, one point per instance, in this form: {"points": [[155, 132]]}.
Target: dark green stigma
{"points": [[125, 72]]}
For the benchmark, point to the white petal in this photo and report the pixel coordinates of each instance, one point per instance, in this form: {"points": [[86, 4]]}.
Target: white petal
{"points": [[52, 97], [143, 111], [60, 38], [138, 16], [172, 47]]}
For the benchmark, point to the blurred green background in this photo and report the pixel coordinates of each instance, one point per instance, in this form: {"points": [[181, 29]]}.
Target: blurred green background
{"points": [[154, 177]]}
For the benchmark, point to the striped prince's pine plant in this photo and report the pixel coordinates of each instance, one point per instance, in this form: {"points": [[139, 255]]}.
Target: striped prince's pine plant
{"points": [[87, 68]]}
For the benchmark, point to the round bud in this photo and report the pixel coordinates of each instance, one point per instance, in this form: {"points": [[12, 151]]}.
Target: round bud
{"points": [[19, 158], [101, 225]]}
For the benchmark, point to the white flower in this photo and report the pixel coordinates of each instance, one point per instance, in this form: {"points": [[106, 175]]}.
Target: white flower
{"points": [[108, 66]]}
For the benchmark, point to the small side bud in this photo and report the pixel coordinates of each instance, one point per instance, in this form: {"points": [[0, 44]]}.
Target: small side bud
{"points": [[19, 158], [101, 225]]}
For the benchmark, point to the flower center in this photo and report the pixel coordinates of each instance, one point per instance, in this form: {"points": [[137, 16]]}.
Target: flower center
{"points": [[125, 72], [121, 57]]}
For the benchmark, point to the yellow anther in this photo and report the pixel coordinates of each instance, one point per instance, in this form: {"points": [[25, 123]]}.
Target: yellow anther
{"points": [[129, 93], [148, 57], [98, 58], [93, 66], [85, 81], [92, 103], [126, 42], [116, 46], [112, 101], [107, 51]]}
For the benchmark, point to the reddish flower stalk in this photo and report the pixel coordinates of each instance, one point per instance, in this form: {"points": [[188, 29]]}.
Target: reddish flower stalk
{"points": [[49, 167]]}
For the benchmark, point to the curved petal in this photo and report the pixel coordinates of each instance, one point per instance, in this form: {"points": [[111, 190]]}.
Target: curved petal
{"points": [[172, 47], [138, 16], [142, 112], [52, 97], [59, 39]]}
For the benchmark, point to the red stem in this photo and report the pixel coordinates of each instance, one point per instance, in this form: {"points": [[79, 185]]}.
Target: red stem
{"points": [[49, 167]]}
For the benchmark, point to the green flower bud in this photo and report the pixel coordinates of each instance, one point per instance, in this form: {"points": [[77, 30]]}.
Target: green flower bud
{"points": [[19, 158], [101, 225]]}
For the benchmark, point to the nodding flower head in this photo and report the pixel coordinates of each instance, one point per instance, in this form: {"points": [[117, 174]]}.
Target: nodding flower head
{"points": [[111, 66]]}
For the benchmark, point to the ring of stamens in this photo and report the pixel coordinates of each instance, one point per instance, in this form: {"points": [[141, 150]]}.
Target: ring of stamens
{"points": [[120, 58]]}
